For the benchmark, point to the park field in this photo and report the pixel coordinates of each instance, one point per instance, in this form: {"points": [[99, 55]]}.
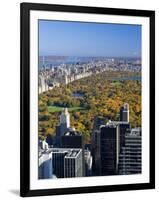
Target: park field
{"points": [[53, 109]]}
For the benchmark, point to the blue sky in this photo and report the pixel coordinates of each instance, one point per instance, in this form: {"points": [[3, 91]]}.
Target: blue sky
{"points": [[89, 39]]}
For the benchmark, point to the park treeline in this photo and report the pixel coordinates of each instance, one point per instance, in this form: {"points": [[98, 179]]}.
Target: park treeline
{"points": [[98, 95]]}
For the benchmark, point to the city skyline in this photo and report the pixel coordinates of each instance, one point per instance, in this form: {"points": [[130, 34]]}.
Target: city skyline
{"points": [[115, 149], [61, 38]]}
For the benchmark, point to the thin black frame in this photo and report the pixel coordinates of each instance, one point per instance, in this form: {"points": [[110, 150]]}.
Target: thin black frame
{"points": [[25, 9]]}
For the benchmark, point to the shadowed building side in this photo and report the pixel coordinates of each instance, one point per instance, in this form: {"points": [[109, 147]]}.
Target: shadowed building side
{"points": [[109, 146]]}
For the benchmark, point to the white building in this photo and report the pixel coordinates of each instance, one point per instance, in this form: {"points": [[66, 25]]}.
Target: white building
{"points": [[65, 118], [45, 165]]}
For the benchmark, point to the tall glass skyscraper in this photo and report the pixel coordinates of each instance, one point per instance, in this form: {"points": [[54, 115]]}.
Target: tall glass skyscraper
{"points": [[109, 149]]}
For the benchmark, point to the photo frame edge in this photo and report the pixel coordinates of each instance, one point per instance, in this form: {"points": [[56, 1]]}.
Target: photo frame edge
{"points": [[25, 105]]}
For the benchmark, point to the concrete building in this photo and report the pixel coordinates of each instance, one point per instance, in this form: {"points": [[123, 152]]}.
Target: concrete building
{"points": [[65, 117], [73, 164], [45, 170], [130, 159], [43, 145], [58, 155], [64, 121], [73, 139], [88, 162], [43, 86], [63, 127], [67, 162]]}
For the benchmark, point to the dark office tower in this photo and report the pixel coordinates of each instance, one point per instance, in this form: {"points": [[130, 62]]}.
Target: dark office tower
{"points": [[124, 127], [49, 140], [98, 121], [124, 113], [73, 164], [130, 159], [96, 152], [58, 155], [58, 136], [73, 139], [109, 146]]}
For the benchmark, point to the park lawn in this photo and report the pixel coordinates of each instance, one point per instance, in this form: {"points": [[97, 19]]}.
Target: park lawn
{"points": [[53, 109]]}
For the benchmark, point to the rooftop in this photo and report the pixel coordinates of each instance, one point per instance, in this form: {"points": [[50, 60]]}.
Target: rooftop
{"points": [[73, 153], [72, 133], [70, 153], [117, 122]]}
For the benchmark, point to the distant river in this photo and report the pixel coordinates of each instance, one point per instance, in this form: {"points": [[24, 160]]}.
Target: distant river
{"points": [[131, 78], [77, 95]]}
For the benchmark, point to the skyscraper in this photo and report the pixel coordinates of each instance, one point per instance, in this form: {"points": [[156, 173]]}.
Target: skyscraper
{"points": [[58, 136], [42, 84], [109, 146], [63, 127], [45, 170], [130, 160], [124, 127], [73, 139], [73, 163], [124, 113], [67, 162], [98, 121], [58, 155], [65, 118], [64, 121]]}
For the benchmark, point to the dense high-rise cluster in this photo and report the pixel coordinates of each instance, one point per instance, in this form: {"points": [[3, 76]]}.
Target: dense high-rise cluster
{"points": [[115, 149], [51, 76]]}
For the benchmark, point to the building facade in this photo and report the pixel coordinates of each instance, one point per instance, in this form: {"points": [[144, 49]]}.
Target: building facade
{"points": [[124, 113], [88, 162], [73, 164], [73, 139], [65, 119], [67, 162], [63, 127], [130, 159], [98, 121], [109, 146], [124, 127], [45, 169]]}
